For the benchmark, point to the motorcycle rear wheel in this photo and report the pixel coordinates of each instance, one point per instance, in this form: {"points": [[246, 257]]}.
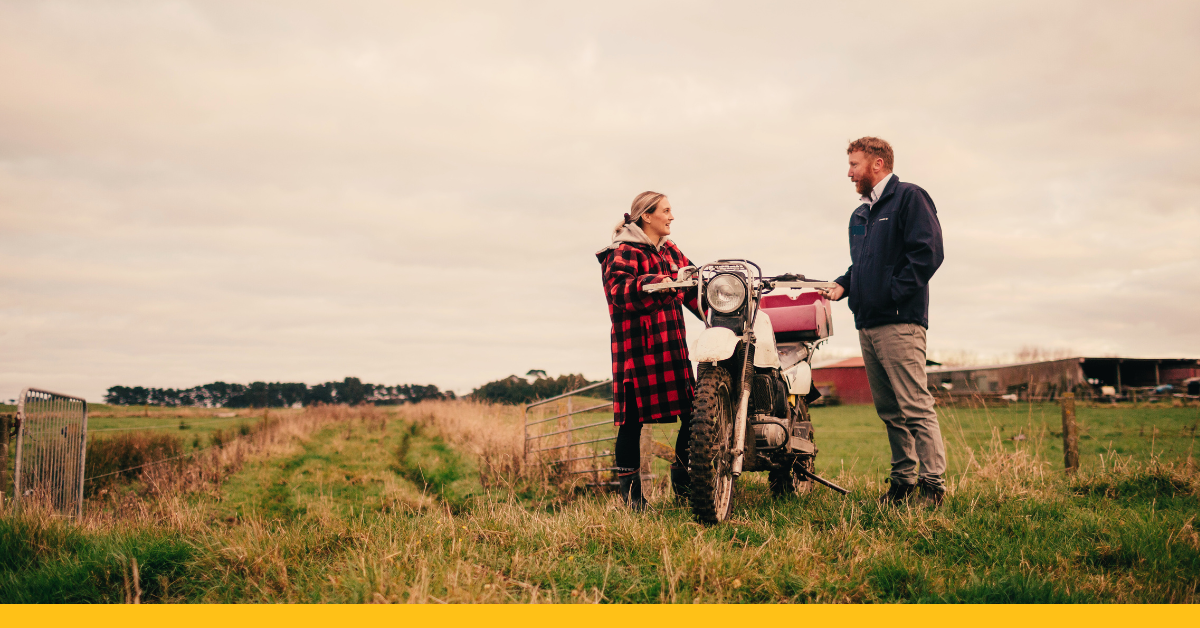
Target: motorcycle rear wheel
{"points": [[710, 464], [794, 481]]}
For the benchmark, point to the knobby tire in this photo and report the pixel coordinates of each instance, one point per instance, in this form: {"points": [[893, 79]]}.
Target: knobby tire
{"points": [[712, 435]]}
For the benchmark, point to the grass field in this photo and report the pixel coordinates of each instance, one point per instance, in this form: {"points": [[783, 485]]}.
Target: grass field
{"points": [[105, 420], [851, 439], [430, 503]]}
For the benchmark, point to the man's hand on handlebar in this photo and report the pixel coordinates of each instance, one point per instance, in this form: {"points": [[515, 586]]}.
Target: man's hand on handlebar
{"points": [[835, 293]]}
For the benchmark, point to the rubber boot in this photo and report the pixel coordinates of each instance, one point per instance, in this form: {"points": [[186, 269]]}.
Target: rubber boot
{"points": [[631, 489], [681, 483]]}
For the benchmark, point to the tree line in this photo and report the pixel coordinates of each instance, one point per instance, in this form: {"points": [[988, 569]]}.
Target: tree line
{"points": [[535, 385], [351, 391]]}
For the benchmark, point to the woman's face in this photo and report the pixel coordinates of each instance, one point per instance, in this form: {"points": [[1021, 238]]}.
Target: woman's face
{"points": [[658, 224]]}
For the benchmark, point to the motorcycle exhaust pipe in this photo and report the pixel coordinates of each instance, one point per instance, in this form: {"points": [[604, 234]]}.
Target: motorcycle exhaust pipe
{"points": [[821, 480]]}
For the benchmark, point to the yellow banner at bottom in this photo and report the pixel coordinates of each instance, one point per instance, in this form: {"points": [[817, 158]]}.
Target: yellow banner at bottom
{"points": [[607, 616]]}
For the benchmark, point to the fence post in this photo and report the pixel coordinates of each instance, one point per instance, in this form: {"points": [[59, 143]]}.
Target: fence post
{"points": [[569, 451], [1070, 433], [5, 421], [647, 448], [525, 432]]}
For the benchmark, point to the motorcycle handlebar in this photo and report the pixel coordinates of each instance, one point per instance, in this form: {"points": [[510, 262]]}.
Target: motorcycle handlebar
{"points": [[669, 285], [687, 277]]}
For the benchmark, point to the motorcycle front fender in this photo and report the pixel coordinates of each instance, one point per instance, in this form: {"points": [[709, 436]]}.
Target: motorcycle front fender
{"points": [[715, 344]]}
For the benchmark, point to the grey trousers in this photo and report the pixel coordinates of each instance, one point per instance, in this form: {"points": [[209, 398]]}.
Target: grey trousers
{"points": [[895, 359]]}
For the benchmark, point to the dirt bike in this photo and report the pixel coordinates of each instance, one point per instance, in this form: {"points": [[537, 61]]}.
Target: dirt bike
{"points": [[754, 382]]}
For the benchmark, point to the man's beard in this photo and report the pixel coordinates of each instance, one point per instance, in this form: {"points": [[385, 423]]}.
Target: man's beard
{"points": [[864, 186]]}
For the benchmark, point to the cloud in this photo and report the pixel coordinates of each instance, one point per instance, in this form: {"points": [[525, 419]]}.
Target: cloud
{"points": [[301, 192]]}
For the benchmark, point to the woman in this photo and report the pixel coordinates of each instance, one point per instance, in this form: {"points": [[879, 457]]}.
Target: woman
{"points": [[652, 375]]}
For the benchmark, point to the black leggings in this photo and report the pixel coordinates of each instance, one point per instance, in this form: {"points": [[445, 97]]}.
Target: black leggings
{"points": [[629, 437]]}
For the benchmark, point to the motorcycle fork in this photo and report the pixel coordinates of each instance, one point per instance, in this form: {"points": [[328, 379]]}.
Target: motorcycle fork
{"points": [[739, 423]]}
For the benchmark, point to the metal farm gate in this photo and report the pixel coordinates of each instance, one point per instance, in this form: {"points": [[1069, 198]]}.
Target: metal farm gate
{"points": [[51, 445], [570, 449], [559, 443]]}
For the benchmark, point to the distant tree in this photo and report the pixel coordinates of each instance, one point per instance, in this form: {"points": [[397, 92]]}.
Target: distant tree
{"points": [[518, 390], [127, 396], [292, 394], [320, 393], [350, 391], [417, 394]]}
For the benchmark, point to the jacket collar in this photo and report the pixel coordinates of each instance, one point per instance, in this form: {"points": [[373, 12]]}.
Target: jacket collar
{"points": [[888, 190]]}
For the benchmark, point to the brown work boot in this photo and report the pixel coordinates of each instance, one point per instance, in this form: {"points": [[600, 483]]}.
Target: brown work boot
{"points": [[932, 495], [897, 493]]}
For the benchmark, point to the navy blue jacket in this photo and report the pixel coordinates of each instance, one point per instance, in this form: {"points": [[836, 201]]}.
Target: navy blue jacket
{"points": [[895, 247]]}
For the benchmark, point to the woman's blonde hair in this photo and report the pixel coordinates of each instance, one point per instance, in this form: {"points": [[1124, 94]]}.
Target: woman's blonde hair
{"points": [[644, 203]]}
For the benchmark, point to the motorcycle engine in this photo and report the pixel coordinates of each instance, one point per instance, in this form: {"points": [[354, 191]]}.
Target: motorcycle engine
{"points": [[769, 435], [769, 395]]}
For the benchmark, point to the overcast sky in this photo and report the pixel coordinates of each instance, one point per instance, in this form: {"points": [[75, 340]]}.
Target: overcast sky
{"points": [[303, 191]]}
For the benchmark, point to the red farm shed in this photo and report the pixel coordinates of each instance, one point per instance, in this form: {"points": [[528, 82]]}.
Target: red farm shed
{"points": [[845, 381]]}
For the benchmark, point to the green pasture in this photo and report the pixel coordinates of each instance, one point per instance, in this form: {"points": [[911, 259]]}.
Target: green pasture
{"points": [[105, 420], [194, 427], [851, 438]]}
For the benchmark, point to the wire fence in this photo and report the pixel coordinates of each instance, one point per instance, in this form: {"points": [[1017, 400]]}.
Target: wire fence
{"points": [[152, 463], [185, 425], [162, 460]]}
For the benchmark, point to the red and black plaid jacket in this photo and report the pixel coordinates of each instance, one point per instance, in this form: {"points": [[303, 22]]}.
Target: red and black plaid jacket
{"points": [[649, 349]]}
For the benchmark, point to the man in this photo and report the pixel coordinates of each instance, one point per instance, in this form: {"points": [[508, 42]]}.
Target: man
{"points": [[895, 247]]}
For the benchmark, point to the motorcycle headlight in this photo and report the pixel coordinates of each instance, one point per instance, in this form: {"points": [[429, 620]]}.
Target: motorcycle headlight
{"points": [[725, 293]]}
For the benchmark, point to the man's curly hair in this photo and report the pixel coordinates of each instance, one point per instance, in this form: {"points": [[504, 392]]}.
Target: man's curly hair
{"points": [[874, 147]]}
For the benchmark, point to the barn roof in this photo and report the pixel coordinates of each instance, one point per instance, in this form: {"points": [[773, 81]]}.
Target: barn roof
{"points": [[842, 364]]}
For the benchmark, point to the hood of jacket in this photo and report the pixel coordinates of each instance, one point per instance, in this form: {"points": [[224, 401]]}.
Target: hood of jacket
{"points": [[632, 234]]}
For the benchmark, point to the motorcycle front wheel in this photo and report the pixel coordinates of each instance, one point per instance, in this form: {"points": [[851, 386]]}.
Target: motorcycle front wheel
{"points": [[710, 464]]}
